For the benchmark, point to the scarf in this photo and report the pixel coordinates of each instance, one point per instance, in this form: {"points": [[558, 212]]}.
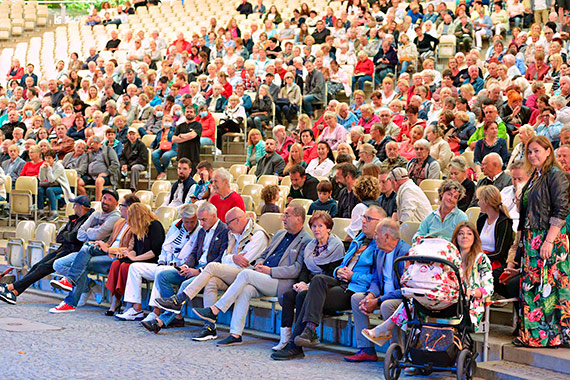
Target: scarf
{"points": [[331, 254]]}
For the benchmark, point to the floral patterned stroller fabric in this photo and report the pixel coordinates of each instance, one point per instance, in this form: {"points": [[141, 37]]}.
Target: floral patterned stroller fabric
{"points": [[435, 286]]}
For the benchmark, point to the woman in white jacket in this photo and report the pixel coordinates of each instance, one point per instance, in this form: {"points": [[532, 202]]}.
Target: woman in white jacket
{"points": [[52, 183]]}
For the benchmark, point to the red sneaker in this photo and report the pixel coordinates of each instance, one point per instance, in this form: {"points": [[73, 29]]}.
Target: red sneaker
{"points": [[62, 308], [62, 284], [361, 356]]}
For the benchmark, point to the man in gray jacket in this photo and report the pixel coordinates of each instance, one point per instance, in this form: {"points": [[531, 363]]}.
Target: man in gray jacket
{"points": [[102, 168], [271, 163], [314, 88]]}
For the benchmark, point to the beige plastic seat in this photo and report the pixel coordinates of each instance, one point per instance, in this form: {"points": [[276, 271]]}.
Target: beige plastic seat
{"points": [[72, 179], [166, 215], [408, 230], [39, 247], [469, 158], [252, 170], [284, 192], [147, 140], [245, 179], [96, 205], [237, 169], [248, 201], [253, 190], [160, 186], [430, 184], [305, 203], [286, 181], [266, 180], [160, 198], [16, 246], [23, 199], [339, 227], [473, 214], [271, 222], [433, 196], [123, 192], [145, 196]]}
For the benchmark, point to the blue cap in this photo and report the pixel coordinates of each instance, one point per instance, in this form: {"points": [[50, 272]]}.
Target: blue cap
{"points": [[83, 200]]}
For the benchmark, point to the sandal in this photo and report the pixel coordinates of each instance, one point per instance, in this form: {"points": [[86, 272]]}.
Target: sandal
{"points": [[380, 340], [517, 342]]}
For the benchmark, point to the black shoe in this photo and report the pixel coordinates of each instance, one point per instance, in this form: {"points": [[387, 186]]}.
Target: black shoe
{"points": [[151, 326], [206, 314], [176, 323], [6, 295], [230, 340], [207, 333], [291, 351], [170, 304], [308, 338]]}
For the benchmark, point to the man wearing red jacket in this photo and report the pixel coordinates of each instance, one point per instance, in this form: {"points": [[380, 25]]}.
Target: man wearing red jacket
{"points": [[180, 43]]}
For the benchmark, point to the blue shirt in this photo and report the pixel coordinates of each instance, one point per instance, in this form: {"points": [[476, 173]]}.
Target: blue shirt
{"points": [[274, 259], [388, 272], [433, 226], [350, 121], [477, 85]]}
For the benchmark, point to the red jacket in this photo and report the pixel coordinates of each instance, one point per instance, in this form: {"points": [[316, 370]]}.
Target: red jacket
{"points": [[226, 93], [208, 126], [180, 46], [533, 70], [309, 152], [364, 67], [284, 150]]}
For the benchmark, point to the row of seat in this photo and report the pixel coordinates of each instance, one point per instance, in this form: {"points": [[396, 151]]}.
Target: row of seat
{"points": [[16, 19]]}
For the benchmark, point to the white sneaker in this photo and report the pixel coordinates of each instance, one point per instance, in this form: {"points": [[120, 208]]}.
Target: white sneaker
{"points": [[131, 315], [150, 317]]}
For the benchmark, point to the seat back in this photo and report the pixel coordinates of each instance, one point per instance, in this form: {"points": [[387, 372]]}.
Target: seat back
{"points": [[473, 214], [286, 181], [161, 198], [96, 205], [166, 215], [123, 192], [145, 196], [148, 139], [254, 190], [238, 169], [266, 180], [45, 232], [340, 226], [25, 230], [71, 175], [271, 222], [245, 179], [248, 202], [433, 196], [408, 230], [469, 158], [160, 186], [430, 184], [305, 203], [27, 183]]}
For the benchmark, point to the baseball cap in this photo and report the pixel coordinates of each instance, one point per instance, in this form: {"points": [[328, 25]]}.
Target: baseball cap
{"points": [[112, 193], [131, 129], [83, 200], [398, 174]]}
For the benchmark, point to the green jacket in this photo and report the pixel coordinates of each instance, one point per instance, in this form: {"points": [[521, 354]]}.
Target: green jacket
{"points": [[480, 133]]}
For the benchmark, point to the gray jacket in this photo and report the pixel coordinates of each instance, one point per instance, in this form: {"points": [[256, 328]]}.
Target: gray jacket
{"points": [[291, 262], [79, 163], [315, 85], [111, 161], [99, 226], [15, 169], [273, 165]]}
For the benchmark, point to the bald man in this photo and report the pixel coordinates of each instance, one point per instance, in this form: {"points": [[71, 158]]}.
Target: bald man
{"points": [[393, 158], [492, 168]]}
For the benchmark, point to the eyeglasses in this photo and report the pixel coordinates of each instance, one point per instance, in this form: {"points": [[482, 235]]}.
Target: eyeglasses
{"points": [[123, 205], [369, 218], [231, 220]]}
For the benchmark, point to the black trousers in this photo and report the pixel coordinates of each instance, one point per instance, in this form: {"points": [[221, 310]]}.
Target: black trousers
{"points": [[41, 269], [325, 293], [291, 300], [226, 127]]}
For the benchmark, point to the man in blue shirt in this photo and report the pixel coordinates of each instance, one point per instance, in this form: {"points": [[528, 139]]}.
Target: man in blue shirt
{"points": [[474, 79], [384, 291]]}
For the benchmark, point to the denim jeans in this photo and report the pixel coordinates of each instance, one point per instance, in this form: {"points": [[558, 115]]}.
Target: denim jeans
{"points": [[286, 109], [97, 264], [161, 159], [308, 104], [72, 266], [381, 74], [142, 131], [360, 81], [51, 193], [205, 141], [404, 65], [165, 280]]}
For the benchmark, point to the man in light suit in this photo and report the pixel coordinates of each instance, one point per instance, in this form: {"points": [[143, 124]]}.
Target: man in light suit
{"points": [[384, 291], [275, 272], [246, 242]]}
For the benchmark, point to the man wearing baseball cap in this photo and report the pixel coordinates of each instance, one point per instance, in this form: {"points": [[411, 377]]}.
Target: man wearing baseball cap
{"points": [[69, 241], [411, 202], [97, 228]]}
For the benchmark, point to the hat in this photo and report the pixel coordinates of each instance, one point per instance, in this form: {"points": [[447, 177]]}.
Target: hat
{"points": [[398, 174], [132, 129], [186, 96], [83, 200], [112, 193]]}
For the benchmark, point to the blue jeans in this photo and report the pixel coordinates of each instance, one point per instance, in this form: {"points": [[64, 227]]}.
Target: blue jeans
{"points": [[73, 265], [165, 280], [161, 159], [405, 65], [381, 74], [308, 104], [52, 194], [518, 20], [360, 81], [205, 141], [142, 131]]}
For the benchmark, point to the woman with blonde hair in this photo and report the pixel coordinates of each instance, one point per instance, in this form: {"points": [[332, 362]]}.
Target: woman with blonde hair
{"points": [[526, 132], [148, 235], [345, 148], [295, 158], [255, 147], [407, 53]]}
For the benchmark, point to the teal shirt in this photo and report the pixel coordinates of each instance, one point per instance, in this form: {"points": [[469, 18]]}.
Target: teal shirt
{"points": [[433, 226]]}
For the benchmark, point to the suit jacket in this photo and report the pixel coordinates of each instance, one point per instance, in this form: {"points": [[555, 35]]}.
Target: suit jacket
{"points": [[500, 183], [218, 246], [315, 85], [377, 284], [272, 165], [291, 262]]}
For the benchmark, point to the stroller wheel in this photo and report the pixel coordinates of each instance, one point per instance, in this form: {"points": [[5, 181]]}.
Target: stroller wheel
{"points": [[466, 365], [392, 368]]}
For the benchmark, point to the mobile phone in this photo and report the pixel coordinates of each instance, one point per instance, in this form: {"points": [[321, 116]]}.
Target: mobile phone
{"points": [[503, 276], [177, 268]]}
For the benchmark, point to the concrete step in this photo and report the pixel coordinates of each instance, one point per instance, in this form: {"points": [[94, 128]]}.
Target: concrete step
{"points": [[557, 360], [504, 370], [499, 337]]}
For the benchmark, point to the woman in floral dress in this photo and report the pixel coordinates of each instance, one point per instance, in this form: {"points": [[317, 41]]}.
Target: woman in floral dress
{"points": [[476, 273], [543, 243]]}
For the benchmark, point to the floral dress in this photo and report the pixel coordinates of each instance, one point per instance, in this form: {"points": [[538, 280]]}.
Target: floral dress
{"points": [[481, 278], [545, 292]]}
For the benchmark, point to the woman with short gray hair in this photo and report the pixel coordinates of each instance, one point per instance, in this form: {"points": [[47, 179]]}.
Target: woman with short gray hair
{"points": [[559, 102]]}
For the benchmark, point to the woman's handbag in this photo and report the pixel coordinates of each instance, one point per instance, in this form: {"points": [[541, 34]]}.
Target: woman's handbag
{"points": [[165, 145]]}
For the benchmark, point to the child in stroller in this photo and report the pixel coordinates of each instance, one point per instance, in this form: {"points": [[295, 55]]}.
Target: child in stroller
{"points": [[476, 273]]}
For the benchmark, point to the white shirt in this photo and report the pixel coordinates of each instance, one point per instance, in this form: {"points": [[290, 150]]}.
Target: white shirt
{"points": [[508, 194], [488, 236], [319, 170], [119, 236], [413, 205], [251, 251], [206, 245]]}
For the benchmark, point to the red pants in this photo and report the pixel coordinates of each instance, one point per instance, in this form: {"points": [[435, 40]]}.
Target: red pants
{"points": [[117, 279]]}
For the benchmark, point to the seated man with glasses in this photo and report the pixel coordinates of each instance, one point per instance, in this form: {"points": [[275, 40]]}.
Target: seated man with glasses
{"points": [[330, 294]]}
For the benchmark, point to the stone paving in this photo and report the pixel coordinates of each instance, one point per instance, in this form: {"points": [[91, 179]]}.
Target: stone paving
{"points": [[89, 345]]}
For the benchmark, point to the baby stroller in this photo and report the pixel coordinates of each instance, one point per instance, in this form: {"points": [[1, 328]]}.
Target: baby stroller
{"points": [[438, 323]]}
